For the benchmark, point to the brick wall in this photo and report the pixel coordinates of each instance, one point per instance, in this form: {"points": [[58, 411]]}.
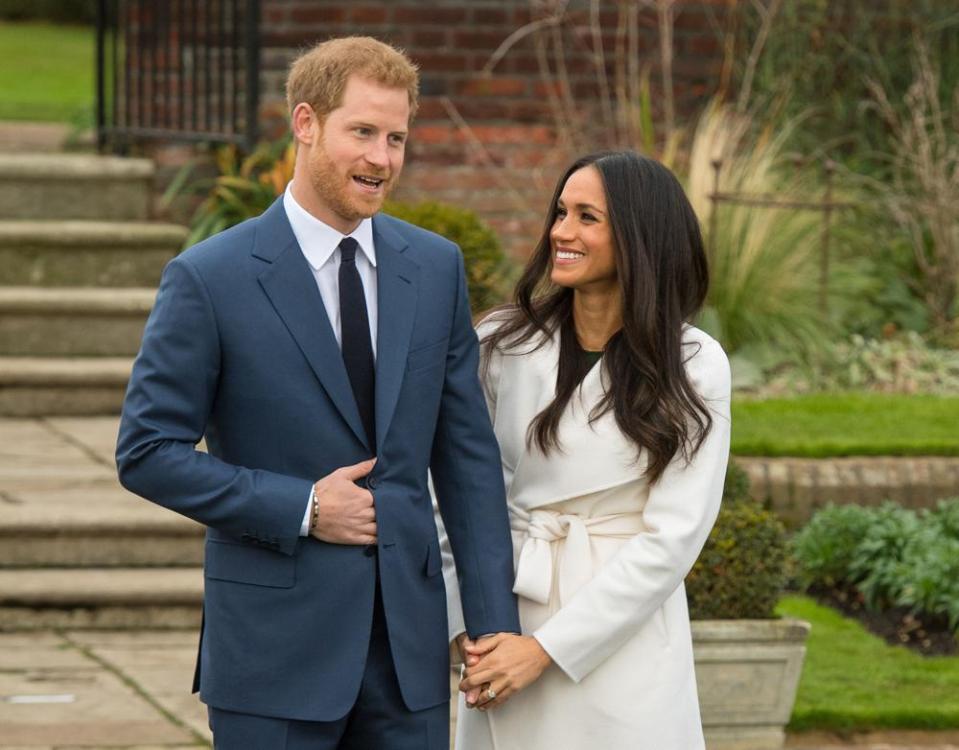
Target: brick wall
{"points": [[489, 141]]}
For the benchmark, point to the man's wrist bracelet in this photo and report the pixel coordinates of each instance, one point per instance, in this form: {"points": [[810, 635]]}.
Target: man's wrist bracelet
{"points": [[315, 512]]}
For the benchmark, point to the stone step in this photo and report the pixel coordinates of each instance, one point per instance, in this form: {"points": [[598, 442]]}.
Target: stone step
{"points": [[86, 253], [69, 522], [64, 386], [72, 321], [74, 186], [100, 598]]}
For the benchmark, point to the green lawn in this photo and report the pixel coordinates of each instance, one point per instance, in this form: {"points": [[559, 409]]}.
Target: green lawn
{"points": [[46, 72], [856, 424], [852, 680]]}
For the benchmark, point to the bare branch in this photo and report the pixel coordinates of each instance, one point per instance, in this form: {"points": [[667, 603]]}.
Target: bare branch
{"points": [[599, 61], [666, 13], [768, 15], [480, 150], [521, 33]]}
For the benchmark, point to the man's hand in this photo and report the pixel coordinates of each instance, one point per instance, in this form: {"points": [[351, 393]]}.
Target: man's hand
{"points": [[463, 642], [346, 514], [507, 664]]}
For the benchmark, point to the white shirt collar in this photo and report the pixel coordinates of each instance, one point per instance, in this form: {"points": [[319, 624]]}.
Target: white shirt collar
{"points": [[319, 240]]}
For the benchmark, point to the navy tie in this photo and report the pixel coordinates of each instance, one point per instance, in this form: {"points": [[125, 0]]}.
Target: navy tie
{"points": [[355, 335]]}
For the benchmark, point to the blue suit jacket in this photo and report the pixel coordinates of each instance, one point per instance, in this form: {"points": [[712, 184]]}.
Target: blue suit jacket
{"points": [[239, 349]]}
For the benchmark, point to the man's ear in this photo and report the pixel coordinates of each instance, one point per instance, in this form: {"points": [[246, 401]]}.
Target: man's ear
{"points": [[304, 123]]}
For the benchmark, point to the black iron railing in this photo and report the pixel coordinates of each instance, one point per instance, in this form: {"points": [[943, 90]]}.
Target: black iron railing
{"points": [[177, 70]]}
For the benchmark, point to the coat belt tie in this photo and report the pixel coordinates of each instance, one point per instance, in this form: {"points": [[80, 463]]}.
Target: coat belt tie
{"points": [[542, 528]]}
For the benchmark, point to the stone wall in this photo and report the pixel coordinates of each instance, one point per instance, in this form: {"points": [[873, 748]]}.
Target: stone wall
{"points": [[796, 487]]}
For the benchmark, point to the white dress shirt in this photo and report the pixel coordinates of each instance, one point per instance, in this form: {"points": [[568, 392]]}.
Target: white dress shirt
{"points": [[320, 244]]}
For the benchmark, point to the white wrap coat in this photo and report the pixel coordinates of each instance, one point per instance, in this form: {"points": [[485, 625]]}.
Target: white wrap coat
{"points": [[600, 558]]}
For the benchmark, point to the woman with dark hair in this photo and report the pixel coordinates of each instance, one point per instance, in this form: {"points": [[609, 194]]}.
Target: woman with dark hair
{"points": [[612, 414]]}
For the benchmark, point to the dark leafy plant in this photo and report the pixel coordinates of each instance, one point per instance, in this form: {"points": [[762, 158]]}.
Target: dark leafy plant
{"points": [[243, 187], [893, 556], [874, 567], [741, 570], [945, 516], [928, 574], [824, 547]]}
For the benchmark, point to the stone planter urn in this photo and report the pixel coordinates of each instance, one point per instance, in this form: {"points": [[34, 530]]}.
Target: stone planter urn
{"points": [[747, 673]]}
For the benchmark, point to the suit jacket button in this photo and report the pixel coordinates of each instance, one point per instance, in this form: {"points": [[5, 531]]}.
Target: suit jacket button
{"points": [[371, 482], [370, 550]]}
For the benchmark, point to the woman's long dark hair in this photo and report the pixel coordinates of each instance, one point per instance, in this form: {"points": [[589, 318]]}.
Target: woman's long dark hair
{"points": [[663, 278]]}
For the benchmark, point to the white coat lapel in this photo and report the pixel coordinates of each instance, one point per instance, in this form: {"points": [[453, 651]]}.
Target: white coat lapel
{"points": [[591, 457]]}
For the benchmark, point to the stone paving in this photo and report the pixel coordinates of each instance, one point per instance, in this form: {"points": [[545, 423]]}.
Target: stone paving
{"points": [[94, 689]]}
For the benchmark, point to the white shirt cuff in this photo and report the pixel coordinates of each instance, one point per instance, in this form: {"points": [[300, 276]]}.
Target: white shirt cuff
{"points": [[305, 526]]}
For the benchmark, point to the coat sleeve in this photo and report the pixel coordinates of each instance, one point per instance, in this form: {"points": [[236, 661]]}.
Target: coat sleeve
{"points": [[489, 379], [679, 513], [168, 402], [468, 481]]}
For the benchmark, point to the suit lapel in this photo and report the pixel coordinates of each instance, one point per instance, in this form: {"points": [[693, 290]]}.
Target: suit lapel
{"points": [[291, 288], [396, 279]]}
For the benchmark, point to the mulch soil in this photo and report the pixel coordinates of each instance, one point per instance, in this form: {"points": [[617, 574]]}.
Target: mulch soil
{"points": [[928, 635]]}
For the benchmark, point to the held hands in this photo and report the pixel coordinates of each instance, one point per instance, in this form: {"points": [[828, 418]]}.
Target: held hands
{"points": [[346, 514], [505, 663]]}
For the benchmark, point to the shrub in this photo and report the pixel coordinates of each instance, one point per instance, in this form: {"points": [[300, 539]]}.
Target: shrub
{"points": [[825, 546], [874, 567], [489, 271], [891, 555], [945, 516], [927, 578], [740, 572], [736, 485]]}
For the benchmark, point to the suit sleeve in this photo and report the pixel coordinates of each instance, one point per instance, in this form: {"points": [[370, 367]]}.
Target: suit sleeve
{"points": [[489, 378], [679, 514], [169, 399], [468, 480]]}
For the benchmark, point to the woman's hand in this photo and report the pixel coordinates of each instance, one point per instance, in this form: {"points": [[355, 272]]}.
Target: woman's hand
{"points": [[506, 664]]}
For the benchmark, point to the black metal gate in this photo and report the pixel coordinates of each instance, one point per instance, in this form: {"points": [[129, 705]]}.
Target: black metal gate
{"points": [[177, 70]]}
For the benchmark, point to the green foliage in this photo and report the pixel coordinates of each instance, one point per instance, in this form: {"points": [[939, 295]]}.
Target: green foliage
{"points": [[244, 186], [736, 486], [902, 364], [853, 681], [891, 555], [896, 363], [825, 546], [59, 11], [763, 262], [874, 568], [740, 572], [882, 287], [490, 273], [945, 516], [846, 424], [821, 53], [927, 577]]}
